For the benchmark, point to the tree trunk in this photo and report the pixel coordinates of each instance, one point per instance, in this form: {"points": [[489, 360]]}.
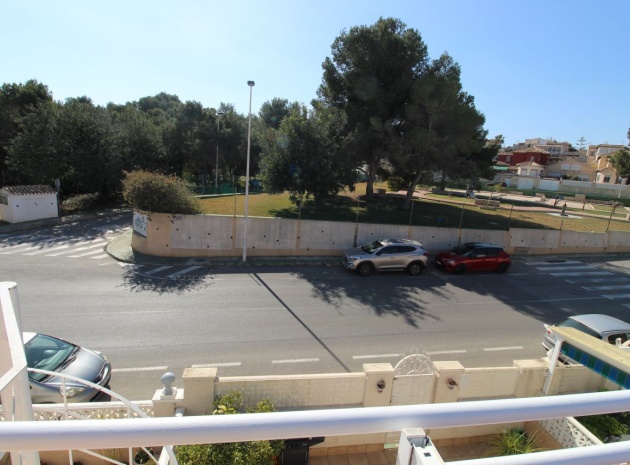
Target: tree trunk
{"points": [[371, 178], [410, 191]]}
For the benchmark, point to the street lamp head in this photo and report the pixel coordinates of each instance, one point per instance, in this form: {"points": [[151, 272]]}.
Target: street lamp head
{"points": [[221, 113], [250, 83]]}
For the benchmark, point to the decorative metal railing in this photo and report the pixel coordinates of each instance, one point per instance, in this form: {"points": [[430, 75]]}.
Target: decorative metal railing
{"points": [[119, 409]]}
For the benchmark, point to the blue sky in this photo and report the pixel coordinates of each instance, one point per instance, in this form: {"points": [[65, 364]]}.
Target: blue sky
{"points": [[537, 68]]}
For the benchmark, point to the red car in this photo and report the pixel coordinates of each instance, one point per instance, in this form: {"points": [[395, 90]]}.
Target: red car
{"points": [[474, 256]]}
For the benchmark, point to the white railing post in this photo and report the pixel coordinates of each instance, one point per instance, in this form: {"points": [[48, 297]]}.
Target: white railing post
{"points": [[553, 361], [15, 392], [416, 447]]}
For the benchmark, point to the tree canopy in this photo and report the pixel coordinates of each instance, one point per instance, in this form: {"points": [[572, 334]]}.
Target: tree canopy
{"points": [[304, 156], [383, 107], [620, 160], [370, 76], [16, 102]]}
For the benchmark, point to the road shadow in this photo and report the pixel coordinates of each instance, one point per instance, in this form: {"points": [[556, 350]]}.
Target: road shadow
{"points": [[139, 282]]}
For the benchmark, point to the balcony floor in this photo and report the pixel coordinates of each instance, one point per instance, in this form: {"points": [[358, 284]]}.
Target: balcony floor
{"points": [[385, 457], [388, 456]]}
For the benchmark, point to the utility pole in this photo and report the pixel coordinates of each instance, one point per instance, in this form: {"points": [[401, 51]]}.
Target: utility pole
{"points": [[216, 166]]}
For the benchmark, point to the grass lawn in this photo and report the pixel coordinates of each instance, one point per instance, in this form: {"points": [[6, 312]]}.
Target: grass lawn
{"points": [[433, 211]]}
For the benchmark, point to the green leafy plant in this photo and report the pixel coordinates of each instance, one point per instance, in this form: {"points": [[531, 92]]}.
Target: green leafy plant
{"points": [[513, 442], [228, 403], [245, 453], [607, 428], [142, 456], [158, 193]]}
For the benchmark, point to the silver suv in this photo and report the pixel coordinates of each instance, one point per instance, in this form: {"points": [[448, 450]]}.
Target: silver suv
{"points": [[387, 255]]}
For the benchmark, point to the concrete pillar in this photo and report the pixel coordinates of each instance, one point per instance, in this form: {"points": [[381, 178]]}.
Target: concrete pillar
{"points": [[532, 377], [165, 406], [379, 379], [448, 380], [199, 386]]}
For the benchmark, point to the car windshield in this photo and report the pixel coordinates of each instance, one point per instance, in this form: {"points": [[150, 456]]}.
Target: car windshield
{"points": [[372, 247], [47, 353], [463, 249]]}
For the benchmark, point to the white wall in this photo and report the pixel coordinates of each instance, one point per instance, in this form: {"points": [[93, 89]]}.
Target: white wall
{"points": [[29, 207], [212, 236]]}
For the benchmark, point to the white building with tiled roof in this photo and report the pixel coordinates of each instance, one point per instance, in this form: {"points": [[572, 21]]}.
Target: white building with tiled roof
{"points": [[27, 203], [529, 168]]}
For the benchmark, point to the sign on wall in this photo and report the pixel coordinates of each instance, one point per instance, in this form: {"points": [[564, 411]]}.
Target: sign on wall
{"points": [[140, 222]]}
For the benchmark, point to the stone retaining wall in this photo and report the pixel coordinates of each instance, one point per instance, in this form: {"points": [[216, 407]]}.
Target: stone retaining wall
{"points": [[222, 236]]}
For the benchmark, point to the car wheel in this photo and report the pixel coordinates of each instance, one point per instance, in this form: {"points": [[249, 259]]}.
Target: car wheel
{"points": [[460, 269], [502, 268], [365, 269], [415, 268]]}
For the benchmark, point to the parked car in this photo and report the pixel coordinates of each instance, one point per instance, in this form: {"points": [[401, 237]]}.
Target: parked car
{"points": [[474, 256], [53, 354], [387, 255], [604, 327]]}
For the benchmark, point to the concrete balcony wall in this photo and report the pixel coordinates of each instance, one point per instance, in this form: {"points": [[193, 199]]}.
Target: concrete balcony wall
{"points": [[377, 385], [295, 392], [568, 432], [577, 378], [451, 382], [222, 236], [474, 382]]}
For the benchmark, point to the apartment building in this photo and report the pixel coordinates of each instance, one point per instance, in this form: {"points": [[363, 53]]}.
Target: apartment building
{"points": [[549, 158]]}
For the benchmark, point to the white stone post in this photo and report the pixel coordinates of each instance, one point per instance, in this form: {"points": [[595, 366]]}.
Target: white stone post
{"points": [[199, 386]]}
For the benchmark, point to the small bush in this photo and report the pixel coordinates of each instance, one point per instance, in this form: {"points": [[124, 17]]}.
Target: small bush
{"points": [[607, 428], [397, 184], [513, 442], [84, 203], [158, 193], [244, 453]]}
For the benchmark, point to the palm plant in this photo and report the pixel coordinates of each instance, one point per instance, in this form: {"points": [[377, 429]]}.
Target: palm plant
{"points": [[513, 442]]}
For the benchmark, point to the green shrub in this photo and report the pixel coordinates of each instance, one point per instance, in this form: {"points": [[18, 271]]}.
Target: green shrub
{"points": [[513, 442], [78, 203], [607, 428], [158, 193], [397, 184], [243, 453]]}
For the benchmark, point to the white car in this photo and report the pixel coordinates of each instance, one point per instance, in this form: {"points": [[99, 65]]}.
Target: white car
{"points": [[604, 327], [387, 255]]}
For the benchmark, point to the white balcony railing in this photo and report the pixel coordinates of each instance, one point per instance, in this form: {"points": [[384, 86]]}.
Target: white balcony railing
{"points": [[95, 434]]}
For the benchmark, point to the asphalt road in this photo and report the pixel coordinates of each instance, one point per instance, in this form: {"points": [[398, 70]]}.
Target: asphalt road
{"points": [[285, 320]]}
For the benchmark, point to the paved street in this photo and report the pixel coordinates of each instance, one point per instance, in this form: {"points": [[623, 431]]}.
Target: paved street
{"points": [[280, 319]]}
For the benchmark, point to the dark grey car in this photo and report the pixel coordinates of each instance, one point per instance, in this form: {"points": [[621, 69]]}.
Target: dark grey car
{"points": [[387, 255], [56, 355]]}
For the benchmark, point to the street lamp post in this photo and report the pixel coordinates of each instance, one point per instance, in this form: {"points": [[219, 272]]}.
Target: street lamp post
{"points": [[249, 137], [216, 167]]}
